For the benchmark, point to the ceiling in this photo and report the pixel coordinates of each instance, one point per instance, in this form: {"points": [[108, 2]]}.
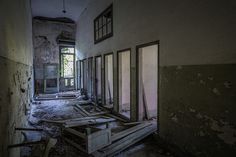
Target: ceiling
{"points": [[53, 8]]}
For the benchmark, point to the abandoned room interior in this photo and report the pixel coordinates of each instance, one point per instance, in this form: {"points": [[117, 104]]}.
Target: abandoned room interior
{"points": [[125, 78]]}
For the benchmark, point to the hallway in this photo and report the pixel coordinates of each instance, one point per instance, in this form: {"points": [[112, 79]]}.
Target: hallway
{"points": [[117, 78]]}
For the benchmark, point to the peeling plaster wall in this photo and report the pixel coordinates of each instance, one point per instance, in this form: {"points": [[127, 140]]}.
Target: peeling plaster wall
{"points": [[46, 47], [197, 108], [197, 65], [15, 70]]}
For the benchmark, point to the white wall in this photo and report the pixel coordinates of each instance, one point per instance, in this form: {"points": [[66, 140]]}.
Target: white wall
{"points": [[190, 32], [15, 25]]}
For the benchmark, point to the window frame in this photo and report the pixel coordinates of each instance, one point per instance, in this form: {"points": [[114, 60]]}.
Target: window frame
{"points": [[97, 19]]}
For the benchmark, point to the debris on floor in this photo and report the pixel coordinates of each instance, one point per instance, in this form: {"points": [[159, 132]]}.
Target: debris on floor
{"points": [[74, 128]]}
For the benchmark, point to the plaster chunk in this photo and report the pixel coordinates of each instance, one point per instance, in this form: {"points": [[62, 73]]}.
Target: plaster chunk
{"points": [[199, 74], [210, 78], [199, 116], [227, 84], [192, 110], [201, 133], [216, 91], [226, 132], [179, 67], [174, 118], [202, 82]]}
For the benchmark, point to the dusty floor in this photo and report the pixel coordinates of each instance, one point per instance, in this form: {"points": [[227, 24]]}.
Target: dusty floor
{"points": [[64, 109]]}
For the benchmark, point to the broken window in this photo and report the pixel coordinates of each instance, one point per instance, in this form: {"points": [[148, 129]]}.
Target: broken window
{"points": [[124, 82], [147, 81], [109, 80], [103, 25]]}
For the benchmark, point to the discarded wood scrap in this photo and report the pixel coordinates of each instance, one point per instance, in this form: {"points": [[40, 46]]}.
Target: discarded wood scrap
{"points": [[83, 112], [101, 142], [98, 120], [90, 139], [51, 143], [81, 121], [126, 142], [28, 129], [24, 144], [129, 131]]}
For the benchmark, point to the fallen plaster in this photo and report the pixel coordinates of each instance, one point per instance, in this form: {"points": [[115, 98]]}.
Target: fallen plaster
{"points": [[216, 91]]}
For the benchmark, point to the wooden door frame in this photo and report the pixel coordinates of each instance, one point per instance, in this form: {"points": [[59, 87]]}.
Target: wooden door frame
{"points": [[118, 66], [137, 76]]}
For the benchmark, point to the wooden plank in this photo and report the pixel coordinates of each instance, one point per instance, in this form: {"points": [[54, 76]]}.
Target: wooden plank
{"points": [[131, 123], [113, 116], [26, 144], [145, 105], [129, 131], [76, 133], [99, 113], [50, 144], [88, 122], [98, 140], [82, 109], [28, 129], [75, 145], [67, 120], [127, 141]]}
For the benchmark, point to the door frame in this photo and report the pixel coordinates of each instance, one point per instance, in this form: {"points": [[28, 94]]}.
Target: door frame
{"points": [[95, 77], [137, 76], [118, 66], [60, 54], [104, 76]]}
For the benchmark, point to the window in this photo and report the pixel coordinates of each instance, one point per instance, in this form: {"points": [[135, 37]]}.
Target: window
{"points": [[103, 25]]}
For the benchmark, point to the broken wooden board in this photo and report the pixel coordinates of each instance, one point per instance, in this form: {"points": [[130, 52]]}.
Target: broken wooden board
{"points": [[129, 131], [98, 120], [118, 118], [82, 110], [51, 143], [126, 142], [94, 140], [26, 144]]}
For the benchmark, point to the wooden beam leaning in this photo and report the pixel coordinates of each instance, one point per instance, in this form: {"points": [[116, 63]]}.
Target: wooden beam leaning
{"points": [[125, 142], [129, 131]]}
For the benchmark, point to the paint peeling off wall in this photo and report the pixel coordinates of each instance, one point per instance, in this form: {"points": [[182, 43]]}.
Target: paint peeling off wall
{"points": [[198, 113], [46, 47]]}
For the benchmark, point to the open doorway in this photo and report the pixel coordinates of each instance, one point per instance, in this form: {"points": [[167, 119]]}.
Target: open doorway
{"points": [[98, 79], [108, 66], [147, 63], [90, 77], [84, 75], [124, 82], [67, 68]]}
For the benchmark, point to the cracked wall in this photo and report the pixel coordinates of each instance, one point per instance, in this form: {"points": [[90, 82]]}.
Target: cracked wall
{"points": [[198, 103], [197, 65], [46, 46], [16, 72]]}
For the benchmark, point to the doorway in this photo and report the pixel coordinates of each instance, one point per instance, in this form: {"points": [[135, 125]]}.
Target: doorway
{"points": [[84, 76], [90, 77], [124, 82], [98, 79], [67, 68], [108, 66], [147, 63]]}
